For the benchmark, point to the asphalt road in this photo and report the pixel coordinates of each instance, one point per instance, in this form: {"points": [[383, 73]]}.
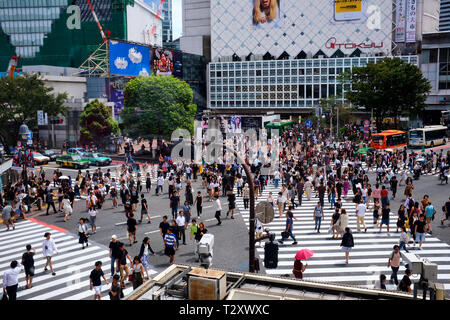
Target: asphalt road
{"points": [[231, 238]]}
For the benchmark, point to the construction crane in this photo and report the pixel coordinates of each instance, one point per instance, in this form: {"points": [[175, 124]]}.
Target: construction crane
{"points": [[12, 66], [158, 16], [97, 21]]}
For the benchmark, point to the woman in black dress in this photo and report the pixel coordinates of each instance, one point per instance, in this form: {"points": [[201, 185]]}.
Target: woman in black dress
{"points": [[188, 194], [199, 203]]}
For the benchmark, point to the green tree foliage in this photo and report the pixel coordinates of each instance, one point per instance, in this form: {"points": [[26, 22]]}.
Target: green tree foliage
{"points": [[389, 88], [97, 123], [20, 99], [155, 106]]}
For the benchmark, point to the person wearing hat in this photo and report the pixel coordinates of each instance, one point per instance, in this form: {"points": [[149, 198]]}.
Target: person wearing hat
{"points": [[114, 253], [48, 249], [246, 195]]}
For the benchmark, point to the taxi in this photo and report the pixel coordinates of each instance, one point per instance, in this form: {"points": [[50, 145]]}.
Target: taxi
{"points": [[72, 161]]}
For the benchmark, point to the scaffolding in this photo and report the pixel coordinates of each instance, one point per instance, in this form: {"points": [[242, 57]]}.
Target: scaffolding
{"points": [[97, 64]]}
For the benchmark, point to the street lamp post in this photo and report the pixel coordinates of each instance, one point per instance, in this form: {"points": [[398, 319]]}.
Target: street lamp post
{"points": [[251, 241], [23, 134]]}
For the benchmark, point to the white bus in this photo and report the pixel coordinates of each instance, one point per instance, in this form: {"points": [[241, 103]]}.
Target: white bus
{"points": [[428, 136]]}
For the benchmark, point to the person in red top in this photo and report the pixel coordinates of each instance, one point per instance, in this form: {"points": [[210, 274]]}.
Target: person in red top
{"points": [[299, 268], [384, 197]]}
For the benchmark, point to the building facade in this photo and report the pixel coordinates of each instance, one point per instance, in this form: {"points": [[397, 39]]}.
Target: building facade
{"points": [[47, 32], [286, 86], [196, 37], [435, 65], [167, 22], [444, 18]]}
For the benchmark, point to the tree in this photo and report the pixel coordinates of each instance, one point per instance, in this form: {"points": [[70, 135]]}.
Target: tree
{"points": [[389, 88], [20, 99], [335, 106], [97, 123], [155, 106]]}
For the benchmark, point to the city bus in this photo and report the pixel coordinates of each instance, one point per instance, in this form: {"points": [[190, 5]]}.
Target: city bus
{"points": [[389, 139], [428, 136]]}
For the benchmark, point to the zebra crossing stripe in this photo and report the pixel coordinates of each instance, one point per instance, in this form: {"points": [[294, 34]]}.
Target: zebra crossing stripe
{"points": [[369, 257]]}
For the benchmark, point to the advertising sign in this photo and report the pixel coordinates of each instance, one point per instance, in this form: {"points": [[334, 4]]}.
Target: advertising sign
{"points": [[127, 59], [411, 21], [40, 118], [116, 88], [251, 123], [167, 62], [348, 10], [267, 14], [400, 21], [29, 158], [236, 124], [17, 159]]}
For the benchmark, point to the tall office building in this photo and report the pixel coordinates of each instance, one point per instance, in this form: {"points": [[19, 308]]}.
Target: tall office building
{"points": [[196, 37], [167, 22], [45, 32], [444, 18]]}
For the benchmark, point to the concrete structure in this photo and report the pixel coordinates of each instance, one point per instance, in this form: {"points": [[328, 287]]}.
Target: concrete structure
{"points": [[435, 65], [196, 37], [76, 88], [286, 86], [146, 27], [175, 283]]}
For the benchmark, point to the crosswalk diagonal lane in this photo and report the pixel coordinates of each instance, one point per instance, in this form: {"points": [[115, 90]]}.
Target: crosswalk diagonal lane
{"points": [[369, 257], [72, 264]]}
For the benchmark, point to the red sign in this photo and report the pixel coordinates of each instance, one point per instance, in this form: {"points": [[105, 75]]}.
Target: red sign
{"points": [[333, 44]]}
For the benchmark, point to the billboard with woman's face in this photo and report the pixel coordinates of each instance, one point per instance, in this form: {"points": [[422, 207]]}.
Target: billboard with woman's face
{"points": [[266, 13]]}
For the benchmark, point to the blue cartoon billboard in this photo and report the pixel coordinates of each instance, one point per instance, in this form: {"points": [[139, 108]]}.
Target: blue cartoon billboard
{"points": [[127, 59]]}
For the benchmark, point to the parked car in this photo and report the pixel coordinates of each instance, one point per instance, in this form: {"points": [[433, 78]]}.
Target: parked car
{"points": [[2, 153], [50, 153], [72, 161], [40, 159], [96, 159], [78, 151]]}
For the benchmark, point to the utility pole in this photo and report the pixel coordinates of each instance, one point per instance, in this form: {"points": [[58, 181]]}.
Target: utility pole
{"points": [[337, 123]]}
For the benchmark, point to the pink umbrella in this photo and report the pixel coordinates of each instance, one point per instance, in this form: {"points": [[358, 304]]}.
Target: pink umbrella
{"points": [[304, 254]]}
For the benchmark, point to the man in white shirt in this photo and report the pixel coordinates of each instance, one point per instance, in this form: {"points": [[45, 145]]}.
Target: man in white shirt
{"points": [[10, 280], [160, 182], [218, 208], [181, 222], [48, 250], [360, 213]]}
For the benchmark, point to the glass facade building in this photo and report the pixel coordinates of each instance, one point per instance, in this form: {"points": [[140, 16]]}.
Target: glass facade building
{"points": [[444, 16], [37, 31], [280, 84], [167, 22]]}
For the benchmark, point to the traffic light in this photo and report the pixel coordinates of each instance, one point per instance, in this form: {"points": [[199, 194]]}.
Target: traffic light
{"points": [[56, 121]]}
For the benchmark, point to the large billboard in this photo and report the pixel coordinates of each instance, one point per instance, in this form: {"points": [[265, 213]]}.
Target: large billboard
{"points": [[267, 14], [116, 89], [128, 59], [167, 62], [400, 21], [411, 18], [292, 26]]}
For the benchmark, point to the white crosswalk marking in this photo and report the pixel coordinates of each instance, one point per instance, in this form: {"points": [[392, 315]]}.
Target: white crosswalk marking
{"points": [[72, 265], [368, 259]]}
